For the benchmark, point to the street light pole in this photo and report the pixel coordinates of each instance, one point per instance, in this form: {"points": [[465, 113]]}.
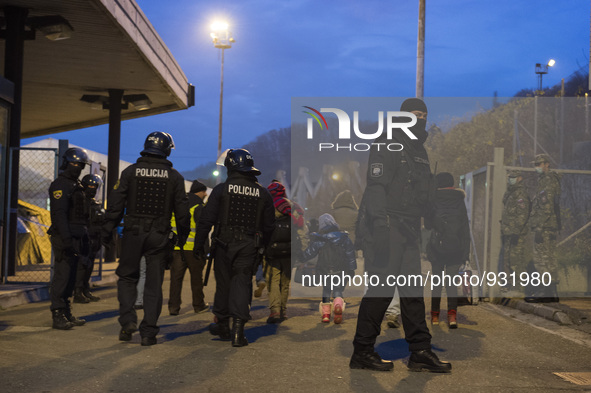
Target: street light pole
{"points": [[220, 122], [223, 40], [542, 69]]}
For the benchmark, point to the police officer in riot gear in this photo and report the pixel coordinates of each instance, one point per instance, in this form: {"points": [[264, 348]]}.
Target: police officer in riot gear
{"points": [[69, 235], [399, 190], [147, 194], [244, 218], [96, 215]]}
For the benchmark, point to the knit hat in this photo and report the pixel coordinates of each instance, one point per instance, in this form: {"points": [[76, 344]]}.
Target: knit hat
{"points": [[444, 180], [276, 189], [197, 186]]}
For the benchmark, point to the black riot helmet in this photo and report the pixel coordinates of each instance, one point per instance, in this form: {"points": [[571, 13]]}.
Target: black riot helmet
{"points": [[158, 143], [240, 160], [91, 181], [74, 154]]}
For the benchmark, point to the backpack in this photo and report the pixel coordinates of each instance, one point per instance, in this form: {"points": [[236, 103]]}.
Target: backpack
{"points": [[280, 243], [446, 238]]}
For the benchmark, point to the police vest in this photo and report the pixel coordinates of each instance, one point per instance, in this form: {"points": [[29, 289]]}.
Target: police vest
{"points": [[150, 193], [190, 244], [96, 216], [78, 213], [242, 206]]}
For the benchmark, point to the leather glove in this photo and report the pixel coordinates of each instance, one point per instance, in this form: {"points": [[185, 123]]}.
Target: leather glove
{"points": [[70, 252], [538, 237], [199, 253], [514, 239], [167, 261]]}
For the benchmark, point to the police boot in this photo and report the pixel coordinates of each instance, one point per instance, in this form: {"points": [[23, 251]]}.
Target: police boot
{"points": [[222, 329], [86, 292], [73, 320], [126, 331], [426, 360], [370, 360], [60, 321], [238, 339], [79, 296]]}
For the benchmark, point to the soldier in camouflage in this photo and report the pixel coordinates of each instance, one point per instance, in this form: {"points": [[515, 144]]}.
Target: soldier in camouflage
{"points": [[514, 227], [545, 223]]}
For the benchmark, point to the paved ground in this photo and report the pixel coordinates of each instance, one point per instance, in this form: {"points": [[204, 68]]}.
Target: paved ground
{"points": [[496, 349]]}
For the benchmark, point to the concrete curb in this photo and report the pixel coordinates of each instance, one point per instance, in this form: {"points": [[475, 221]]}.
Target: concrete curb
{"points": [[17, 294], [538, 309]]}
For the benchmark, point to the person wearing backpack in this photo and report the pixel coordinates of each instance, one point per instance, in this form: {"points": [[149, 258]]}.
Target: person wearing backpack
{"points": [[278, 252], [449, 244], [336, 256]]}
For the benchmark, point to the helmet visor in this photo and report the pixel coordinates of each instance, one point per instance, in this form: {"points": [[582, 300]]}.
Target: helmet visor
{"points": [[222, 158]]}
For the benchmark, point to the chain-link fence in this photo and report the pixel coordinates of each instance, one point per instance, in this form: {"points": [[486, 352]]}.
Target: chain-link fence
{"points": [[33, 255]]}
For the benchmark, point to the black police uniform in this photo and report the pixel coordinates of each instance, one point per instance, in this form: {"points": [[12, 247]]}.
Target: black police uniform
{"points": [[244, 217], [68, 235], [393, 202], [148, 192], [96, 216], [399, 189]]}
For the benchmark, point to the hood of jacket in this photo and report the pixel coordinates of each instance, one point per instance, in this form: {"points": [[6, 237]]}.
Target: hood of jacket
{"points": [[344, 199]]}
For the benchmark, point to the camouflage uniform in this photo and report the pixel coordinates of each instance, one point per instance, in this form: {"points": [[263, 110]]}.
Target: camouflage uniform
{"points": [[545, 222], [514, 227]]}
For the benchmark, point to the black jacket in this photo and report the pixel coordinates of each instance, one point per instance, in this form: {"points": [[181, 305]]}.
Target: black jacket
{"points": [[119, 198], [398, 183]]}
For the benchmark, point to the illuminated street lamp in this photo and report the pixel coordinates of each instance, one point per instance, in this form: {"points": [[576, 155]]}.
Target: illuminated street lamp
{"points": [[542, 69], [223, 40]]}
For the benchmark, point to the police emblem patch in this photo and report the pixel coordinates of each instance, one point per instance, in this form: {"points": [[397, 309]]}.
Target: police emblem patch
{"points": [[377, 169], [57, 194]]}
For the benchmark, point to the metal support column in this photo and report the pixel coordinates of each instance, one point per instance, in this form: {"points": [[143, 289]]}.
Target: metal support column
{"points": [[15, 18], [115, 106]]}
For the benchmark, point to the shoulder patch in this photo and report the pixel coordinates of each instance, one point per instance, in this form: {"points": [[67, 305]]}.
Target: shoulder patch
{"points": [[377, 169], [116, 186], [57, 194]]}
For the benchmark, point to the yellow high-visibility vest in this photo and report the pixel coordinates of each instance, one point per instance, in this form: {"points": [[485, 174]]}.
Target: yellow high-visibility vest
{"points": [[190, 244]]}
